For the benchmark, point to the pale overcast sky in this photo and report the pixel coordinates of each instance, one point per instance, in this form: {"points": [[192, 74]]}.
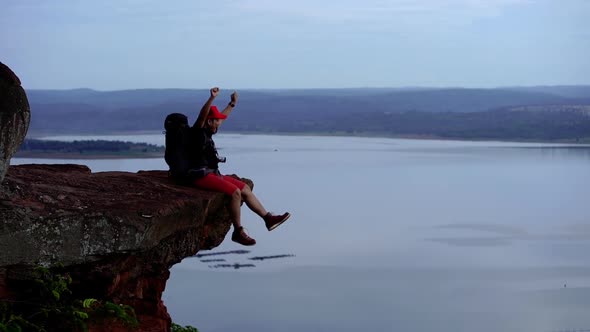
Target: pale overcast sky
{"points": [[128, 44]]}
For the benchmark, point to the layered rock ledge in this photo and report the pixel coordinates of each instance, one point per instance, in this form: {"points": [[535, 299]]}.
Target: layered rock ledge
{"points": [[116, 233]]}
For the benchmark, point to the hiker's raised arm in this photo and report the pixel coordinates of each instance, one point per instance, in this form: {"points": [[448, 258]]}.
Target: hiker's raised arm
{"points": [[205, 109], [231, 105]]}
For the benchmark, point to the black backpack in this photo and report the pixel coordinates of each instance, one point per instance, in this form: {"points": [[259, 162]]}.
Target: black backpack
{"points": [[177, 153]]}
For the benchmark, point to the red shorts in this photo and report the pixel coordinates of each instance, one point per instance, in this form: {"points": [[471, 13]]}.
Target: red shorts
{"points": [[220, 183]]}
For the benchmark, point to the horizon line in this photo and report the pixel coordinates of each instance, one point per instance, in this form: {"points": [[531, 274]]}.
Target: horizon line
{"points": [[416, 87]]}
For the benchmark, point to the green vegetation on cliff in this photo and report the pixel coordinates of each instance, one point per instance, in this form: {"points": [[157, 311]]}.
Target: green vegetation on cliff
{"points": [[50, 303]]}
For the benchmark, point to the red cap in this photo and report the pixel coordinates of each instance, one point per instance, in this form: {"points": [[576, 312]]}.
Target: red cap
{"points": [[215, 114]]}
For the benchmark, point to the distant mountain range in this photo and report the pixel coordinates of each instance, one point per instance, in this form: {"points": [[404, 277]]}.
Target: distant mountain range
{"points": [[523, 113]]}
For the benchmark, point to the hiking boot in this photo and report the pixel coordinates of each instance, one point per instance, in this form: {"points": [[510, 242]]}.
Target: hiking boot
{"points": [[273, 221], [239, 235]]}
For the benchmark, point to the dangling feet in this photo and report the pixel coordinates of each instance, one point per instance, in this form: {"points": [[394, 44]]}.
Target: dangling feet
{"points": [[273, 221], [239, 235]]}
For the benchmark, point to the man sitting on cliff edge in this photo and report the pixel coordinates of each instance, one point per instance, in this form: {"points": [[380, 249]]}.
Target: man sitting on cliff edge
{"points": [[204, 170]]}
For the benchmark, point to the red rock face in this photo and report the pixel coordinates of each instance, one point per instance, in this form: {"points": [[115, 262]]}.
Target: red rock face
{"points": [[140, 289], [116, 233]]}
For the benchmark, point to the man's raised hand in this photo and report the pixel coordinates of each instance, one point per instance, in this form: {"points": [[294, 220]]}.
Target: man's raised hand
{"points": [[214, 92], [234, 97]]}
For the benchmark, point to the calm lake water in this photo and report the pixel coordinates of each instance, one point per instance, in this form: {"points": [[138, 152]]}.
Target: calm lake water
{"points": [[394, 235]]}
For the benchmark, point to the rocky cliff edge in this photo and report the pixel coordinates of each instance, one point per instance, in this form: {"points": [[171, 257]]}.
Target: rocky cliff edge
{"points": [[116, 234]]}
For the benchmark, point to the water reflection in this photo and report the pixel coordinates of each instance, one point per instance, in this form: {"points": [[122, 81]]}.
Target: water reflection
{"points": [[236, 265], [502, 235], [557, 152], [261, 258]]}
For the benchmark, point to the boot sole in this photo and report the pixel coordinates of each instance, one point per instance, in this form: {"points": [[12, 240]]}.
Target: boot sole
{"points": [[244, 244], [279, 224]]}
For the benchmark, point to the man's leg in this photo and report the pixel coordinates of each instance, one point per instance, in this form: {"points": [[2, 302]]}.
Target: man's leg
{"points": [[248, 196], [252, 202], [271, 221], [212, 182], [217, 183]]}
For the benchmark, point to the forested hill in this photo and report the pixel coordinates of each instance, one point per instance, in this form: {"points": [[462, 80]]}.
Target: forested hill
{"points": [[544, 113], [34, 148]]}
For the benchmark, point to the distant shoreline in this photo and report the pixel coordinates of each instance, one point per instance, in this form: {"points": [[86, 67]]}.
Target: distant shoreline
{"points": [[84, 156], [583, 141], [87, 149], [160, 154]]}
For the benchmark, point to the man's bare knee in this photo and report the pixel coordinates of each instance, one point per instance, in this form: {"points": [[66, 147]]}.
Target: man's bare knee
{"points": [[237, 194], [246, 191]]}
